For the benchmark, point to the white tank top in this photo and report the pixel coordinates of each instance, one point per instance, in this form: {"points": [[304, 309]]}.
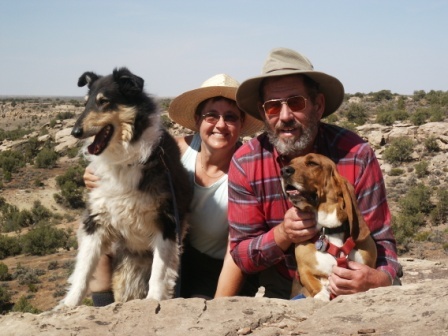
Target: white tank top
{"points": [[209, 228]]}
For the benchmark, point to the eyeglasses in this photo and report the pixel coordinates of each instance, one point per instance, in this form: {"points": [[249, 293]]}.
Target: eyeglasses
{"points": [[213, 118], [274, 106]]}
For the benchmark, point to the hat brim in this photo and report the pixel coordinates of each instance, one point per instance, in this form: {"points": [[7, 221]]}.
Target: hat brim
{"points": [[247, 95], [183, 108]]}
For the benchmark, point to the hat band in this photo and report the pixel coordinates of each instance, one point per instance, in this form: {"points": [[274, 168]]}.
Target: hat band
{"points": [[293, 69]]}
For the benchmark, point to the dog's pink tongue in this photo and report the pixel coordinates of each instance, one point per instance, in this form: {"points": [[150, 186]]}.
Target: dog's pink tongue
{"points": [[293, 192]]}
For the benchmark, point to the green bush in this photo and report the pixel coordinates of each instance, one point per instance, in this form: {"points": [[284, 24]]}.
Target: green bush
{"points": [[72, 188], [400, 150], [24, 306], [439, 214], [420, 116], [416, 201], [9, 246], [385, 118], [4, 274], [356, 113], [46, 158], [405, 226], [431, 144], [421, 169], [45, 239], [5, 298], [396, 172]]}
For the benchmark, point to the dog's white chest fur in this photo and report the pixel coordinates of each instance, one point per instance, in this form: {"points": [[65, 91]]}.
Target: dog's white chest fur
{"points": [[118, 203]]}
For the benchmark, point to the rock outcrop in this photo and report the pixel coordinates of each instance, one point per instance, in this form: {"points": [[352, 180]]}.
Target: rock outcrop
{"points": [[418, 307]]}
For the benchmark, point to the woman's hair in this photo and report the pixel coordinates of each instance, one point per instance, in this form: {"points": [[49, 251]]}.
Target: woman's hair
{"points": [[202, 104]]}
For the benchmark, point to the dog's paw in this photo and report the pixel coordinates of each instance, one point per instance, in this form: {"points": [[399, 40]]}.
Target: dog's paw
{"points": [[323, 295]]}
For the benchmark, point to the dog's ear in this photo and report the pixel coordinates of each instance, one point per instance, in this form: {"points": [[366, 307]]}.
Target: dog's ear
{"points": [[128, 83], [358, 227], [87, 78]]}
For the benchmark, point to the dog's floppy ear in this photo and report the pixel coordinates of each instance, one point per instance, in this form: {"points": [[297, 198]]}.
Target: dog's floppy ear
{"points": [[128, 82], [358, 227], [87, 78]]}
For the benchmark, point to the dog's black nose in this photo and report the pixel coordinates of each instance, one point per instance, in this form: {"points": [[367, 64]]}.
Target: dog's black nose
{"points": [[77, 132], [287, 171]]}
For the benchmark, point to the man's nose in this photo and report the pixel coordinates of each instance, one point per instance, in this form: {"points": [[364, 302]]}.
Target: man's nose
{"points": [[286, 113]]}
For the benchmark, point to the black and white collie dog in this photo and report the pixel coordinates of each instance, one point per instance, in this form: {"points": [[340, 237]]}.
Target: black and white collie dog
{"points": [[139, 209]]}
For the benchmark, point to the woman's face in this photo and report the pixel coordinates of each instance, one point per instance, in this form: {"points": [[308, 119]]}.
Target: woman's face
{"points": [[219, 124]]}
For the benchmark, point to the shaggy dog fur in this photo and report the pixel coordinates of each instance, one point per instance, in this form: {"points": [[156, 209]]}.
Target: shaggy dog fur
{"points": [[139, 209]]}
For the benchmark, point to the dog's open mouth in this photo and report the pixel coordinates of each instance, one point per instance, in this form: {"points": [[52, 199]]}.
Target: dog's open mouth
{"points": [[101, 140], [296, 196]]}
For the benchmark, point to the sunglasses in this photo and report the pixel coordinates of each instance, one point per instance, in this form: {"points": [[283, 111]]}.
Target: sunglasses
{"points": [[274, 106], [213, 118]]}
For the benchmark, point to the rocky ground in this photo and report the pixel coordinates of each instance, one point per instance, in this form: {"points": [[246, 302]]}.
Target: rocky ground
{"points": [[418, 307]]}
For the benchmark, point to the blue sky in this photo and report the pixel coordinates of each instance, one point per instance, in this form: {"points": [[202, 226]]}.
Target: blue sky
{"points": [[175, 45]]}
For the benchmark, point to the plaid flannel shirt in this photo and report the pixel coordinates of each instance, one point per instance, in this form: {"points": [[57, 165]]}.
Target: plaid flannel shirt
{"points": [[257, 202]]}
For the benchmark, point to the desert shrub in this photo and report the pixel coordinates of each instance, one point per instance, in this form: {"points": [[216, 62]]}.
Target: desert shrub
{"points": [[356, 113], [72, 188], [11, 161], [436, 113], [385, 118], [439, 213], [381, 95], [24, 306], [45, 239], [399, 150], [4, 272], [396, 172], [420, 116], [437, 97], [52, 265], [14, 134], [5, 298], [431, 144], [73, 152], [405, 226], [46, 158], [9, 246], [419, 95], [332, 118], [59, 292], [13, 219], [421, 169], [416, 201], [27, 275], [40, 213]]}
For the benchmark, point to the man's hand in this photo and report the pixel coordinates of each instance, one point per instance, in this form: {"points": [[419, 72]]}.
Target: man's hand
{"points": [[356, 278], [296, 227]]}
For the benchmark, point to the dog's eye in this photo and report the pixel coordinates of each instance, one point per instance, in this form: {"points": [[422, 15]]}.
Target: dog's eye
{"points": [[103, 101], [311, 164]]}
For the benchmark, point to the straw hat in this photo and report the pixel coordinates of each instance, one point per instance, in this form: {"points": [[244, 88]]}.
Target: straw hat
{"points": [[282, 62], [183, 107]]}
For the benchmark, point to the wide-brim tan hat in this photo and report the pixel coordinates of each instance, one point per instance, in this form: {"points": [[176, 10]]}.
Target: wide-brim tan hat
{"points": [[182, 109], [282, 62]]}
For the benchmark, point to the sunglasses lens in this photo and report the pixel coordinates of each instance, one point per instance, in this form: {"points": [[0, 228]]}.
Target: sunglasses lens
{"points": [[296, 103], [272, 107]]}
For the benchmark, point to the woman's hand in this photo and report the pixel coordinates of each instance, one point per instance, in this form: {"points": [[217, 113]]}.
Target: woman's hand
{"points": [[90, 179]]}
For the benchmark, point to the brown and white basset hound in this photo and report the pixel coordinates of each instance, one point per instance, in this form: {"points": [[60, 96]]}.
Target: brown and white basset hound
{"points": [[312, 183]]}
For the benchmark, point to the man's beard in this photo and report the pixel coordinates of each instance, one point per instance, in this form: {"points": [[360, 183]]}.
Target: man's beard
{"points": [[293, 147]]}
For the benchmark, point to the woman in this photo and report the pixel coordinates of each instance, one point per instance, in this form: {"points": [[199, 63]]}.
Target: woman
{"points": [[211, 112]]}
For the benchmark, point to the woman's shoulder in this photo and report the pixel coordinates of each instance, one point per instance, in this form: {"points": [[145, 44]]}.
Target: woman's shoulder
{"points": [[184, 142]]}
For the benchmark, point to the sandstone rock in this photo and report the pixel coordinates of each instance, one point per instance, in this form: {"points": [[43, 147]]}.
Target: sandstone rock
{"points": [[419, 307]]}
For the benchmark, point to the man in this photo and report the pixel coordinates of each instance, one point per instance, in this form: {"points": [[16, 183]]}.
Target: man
{"points": [[291, 98]]}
